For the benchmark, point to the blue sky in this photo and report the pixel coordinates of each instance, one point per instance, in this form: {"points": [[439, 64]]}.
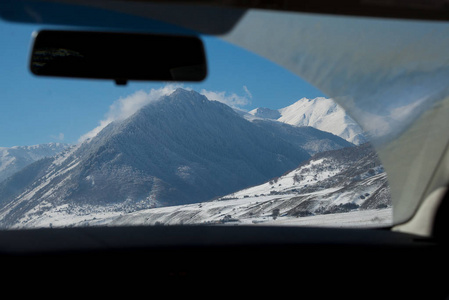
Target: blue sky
{"points": [[40, 110]]}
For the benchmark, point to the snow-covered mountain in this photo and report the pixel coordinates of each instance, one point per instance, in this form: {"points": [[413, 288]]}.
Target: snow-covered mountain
{"points": [[321, 113], [178, 150], [13, 159]]}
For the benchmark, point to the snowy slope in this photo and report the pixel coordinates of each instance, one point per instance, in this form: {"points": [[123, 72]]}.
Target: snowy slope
{"points": [[178, 150], [308, 138], [332, 181], [13, 159], [321, 113], [342, 188]]}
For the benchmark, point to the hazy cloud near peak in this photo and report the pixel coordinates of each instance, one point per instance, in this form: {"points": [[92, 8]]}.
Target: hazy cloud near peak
{"points": [[232, 100], [59, 137], [247, 92], [127, 106]]}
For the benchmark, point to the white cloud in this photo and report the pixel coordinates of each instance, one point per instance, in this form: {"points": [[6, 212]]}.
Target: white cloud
{"points": [[232, 100], [59, 137], [248, 92]]}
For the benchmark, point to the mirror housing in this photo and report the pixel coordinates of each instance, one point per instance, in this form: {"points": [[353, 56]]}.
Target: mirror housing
{"points": [[118, 56]]}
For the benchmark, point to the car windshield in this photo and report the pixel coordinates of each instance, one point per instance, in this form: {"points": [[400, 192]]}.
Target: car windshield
{"points": [[253, 144]]}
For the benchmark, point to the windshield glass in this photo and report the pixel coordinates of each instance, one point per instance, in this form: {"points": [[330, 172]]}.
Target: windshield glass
{"points": [[252, 144]]}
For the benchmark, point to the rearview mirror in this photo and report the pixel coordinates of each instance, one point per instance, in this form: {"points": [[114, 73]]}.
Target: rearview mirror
{"points": [[118, 56]]}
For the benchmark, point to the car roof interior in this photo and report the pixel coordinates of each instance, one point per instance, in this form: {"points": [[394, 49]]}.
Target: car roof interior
{"points": [[404, 261]]}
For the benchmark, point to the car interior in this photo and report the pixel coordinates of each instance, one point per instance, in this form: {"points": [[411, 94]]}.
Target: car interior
{"points": [[407, 260]]}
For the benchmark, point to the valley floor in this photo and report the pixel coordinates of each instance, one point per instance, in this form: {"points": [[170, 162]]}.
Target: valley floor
{"points": [[252, 211], [245, 211]]}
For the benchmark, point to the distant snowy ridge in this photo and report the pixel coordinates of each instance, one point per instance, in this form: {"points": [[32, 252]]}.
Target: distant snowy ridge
{"points": [[13, 159], [321, 113]]}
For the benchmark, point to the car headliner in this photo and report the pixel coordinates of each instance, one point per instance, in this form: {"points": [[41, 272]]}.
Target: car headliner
{"points": [[363, 64], [256, 260]]}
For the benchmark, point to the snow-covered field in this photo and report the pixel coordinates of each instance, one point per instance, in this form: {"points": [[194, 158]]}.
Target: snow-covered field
{"points": [[353, 219], [251, 211], [245, 211]]}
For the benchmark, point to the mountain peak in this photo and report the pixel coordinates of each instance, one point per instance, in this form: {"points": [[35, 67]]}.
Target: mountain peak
{"points": [[180, 92], [183, 96], [321, 113]]}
